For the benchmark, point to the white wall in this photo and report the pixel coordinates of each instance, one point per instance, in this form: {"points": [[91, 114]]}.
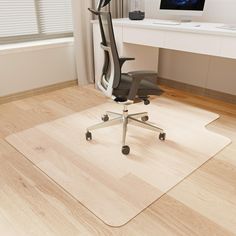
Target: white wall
{"points": [[204, 71], [215, 11], [22, 70]]}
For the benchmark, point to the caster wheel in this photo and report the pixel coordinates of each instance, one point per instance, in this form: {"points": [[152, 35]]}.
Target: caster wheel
{"points": [[126, 150], [88, 136], [145, 118], [146, 102], [105, 118], [162, 136]]}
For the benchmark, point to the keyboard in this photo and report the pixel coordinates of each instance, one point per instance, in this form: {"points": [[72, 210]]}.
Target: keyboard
{"points": [[228, 27], [165, 22]]}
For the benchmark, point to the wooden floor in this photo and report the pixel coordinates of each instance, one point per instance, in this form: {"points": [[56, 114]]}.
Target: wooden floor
{"points": [[31, 204]]}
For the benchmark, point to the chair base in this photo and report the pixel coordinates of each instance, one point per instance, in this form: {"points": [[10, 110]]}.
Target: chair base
{"points": [[125, 118]]}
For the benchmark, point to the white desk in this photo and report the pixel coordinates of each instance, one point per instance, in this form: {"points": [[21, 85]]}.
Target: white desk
{"points": [[142, 39]]}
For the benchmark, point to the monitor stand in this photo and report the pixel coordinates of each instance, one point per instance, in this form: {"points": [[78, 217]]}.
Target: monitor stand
{"points": [[185, 19], [185, 23]]}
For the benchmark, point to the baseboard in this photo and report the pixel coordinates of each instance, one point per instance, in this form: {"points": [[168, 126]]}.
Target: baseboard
{"points": [[162, 81], [37, 91], [198, 90]]}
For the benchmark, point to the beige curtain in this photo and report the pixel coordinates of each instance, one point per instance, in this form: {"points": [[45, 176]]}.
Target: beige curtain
{"points": [[117, 8], [84, 38], [83, 41]]}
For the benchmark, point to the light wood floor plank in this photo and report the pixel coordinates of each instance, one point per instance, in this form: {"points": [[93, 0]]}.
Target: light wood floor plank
{"points": [[165, 217], [60, 150]]}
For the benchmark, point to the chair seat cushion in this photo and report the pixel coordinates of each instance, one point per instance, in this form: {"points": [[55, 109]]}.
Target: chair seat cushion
{"points": [[146, 87]]}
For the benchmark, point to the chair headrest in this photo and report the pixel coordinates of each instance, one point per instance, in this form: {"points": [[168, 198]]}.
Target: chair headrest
{"points": [[102, 3]]}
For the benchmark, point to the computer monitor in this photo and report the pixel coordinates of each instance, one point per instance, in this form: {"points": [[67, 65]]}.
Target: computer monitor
{"points": [[185, 8]]}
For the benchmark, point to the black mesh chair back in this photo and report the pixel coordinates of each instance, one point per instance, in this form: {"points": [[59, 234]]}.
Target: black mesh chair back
{"points": [[111, 72]]}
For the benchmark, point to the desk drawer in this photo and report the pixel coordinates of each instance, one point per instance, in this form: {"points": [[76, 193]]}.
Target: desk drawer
{"points": [[195, 43], [228, 47], [147, 37]]}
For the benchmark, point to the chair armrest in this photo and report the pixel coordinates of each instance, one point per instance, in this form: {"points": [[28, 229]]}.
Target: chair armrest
{"points": [[138, 76], [93, 11], [143, 75], [124, 59]]}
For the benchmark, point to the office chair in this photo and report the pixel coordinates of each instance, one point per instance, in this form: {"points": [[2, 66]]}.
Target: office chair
{"points": [[123, 88]]}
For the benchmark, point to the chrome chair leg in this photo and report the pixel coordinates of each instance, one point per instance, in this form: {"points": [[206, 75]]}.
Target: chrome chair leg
{"points": [[125, 124], [111, 113], [125, 148], [145, 125], [139, 115], [109, 123], [125, 119]]}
